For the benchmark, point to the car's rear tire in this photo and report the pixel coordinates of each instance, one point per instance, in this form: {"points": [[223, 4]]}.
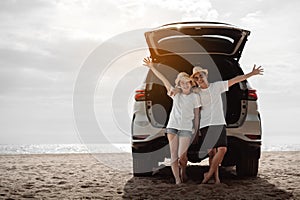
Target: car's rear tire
{"points": [[247, 166]]}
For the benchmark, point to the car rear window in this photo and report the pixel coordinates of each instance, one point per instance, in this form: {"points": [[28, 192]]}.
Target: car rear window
{"points": [[197, 40], [196, 44]]}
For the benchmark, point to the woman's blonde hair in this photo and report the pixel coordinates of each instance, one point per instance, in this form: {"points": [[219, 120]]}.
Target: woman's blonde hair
{"points": [[181, 77]]}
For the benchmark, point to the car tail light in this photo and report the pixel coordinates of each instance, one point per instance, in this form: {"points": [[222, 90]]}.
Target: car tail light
{"points": [[140, 95], [252, 95], [140, 137], [253, 137]]}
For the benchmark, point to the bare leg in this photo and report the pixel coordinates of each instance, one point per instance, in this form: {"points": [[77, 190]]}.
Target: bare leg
{"points": [[184, 143], [173, 142], [216, 160], [211, 154], [217, 179]]}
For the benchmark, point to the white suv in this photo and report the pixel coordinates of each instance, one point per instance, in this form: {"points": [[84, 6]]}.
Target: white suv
{"points": [[178, 47]]}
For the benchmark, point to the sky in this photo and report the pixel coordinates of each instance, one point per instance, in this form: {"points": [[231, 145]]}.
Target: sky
{"points": [[45, 47]]}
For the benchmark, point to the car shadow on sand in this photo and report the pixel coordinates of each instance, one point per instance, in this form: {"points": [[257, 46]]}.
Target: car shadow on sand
{"points": [[161, 186]]}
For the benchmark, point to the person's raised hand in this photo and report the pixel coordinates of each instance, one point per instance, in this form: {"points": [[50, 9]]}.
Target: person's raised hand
{"points": [[174, 91], [148, 62], [257, 70]]}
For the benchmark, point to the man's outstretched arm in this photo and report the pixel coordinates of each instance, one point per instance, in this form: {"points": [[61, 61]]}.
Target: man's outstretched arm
{"points": [[255, 71]]}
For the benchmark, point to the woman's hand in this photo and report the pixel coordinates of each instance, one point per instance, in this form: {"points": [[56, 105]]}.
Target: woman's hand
{"points": [[148, 62], [174, 91]]}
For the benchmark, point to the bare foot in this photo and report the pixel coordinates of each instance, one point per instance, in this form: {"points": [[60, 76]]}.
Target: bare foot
{"points": [[178, 181], [183, 177], [205, 179], [182, 174], [217, 181]]}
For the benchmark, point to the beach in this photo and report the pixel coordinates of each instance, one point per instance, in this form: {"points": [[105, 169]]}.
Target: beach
{"points": [[109, 176]]}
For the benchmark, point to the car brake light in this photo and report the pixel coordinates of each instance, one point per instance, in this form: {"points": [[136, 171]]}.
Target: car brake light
{"points": [[253, 137], [140, 95], [252, 95], [140, 137]]}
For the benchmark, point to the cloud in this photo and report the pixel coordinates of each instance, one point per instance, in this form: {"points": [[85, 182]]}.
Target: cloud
{"points": [[272, 43], [30, 72], [155, 13], [279, 78], [252, 19], [20, 7], [193, 10], [43, 43]]}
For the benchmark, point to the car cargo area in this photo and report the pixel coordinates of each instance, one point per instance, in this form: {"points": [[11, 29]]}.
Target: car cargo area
{"points": [[159, 104]]}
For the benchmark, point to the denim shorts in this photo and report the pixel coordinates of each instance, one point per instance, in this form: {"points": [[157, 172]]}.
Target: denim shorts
{"points": [[180, 133]]}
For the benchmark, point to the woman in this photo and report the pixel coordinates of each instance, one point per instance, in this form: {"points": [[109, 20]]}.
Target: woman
{"points": [[185, 111]]}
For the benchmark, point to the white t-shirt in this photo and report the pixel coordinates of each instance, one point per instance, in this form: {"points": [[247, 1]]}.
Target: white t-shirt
{"points": [[212, 107], [182, 112]]}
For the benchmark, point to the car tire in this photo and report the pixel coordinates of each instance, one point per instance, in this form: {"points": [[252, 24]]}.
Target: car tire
{"points": [[247, 166]]}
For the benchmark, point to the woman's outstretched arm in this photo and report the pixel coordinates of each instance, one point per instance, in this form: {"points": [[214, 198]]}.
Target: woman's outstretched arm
{"points": [[148, 62]]}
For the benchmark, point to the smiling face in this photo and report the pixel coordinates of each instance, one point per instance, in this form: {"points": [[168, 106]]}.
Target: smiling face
{"points": [[201, 79], [184, 82], [185, 85]]}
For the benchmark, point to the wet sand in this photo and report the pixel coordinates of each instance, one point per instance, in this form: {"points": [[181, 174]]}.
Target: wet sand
{"points": [[109, 176]]}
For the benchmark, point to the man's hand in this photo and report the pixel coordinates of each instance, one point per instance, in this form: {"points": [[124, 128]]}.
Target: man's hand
{"points": [[196, 137], [196, 90], [257, 71]]}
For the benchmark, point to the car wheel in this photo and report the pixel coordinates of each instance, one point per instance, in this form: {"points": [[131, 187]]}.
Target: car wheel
{"points": [[247, 166]]}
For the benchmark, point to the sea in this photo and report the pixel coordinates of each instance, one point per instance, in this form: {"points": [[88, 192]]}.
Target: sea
{"points": [[63, 148], [100, 148]]}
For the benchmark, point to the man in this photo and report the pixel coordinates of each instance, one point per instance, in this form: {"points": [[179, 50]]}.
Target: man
{"points": [[212, 120]]}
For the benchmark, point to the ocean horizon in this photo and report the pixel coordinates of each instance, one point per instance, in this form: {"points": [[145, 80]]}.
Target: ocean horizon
{"points": [[100, 148]]}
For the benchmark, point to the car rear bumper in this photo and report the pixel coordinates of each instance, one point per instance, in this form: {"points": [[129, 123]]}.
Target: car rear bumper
{"points": [[149, 146]]}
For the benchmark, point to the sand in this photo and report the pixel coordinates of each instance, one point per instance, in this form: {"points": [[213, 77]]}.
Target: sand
{"points": [[83, 176]]}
